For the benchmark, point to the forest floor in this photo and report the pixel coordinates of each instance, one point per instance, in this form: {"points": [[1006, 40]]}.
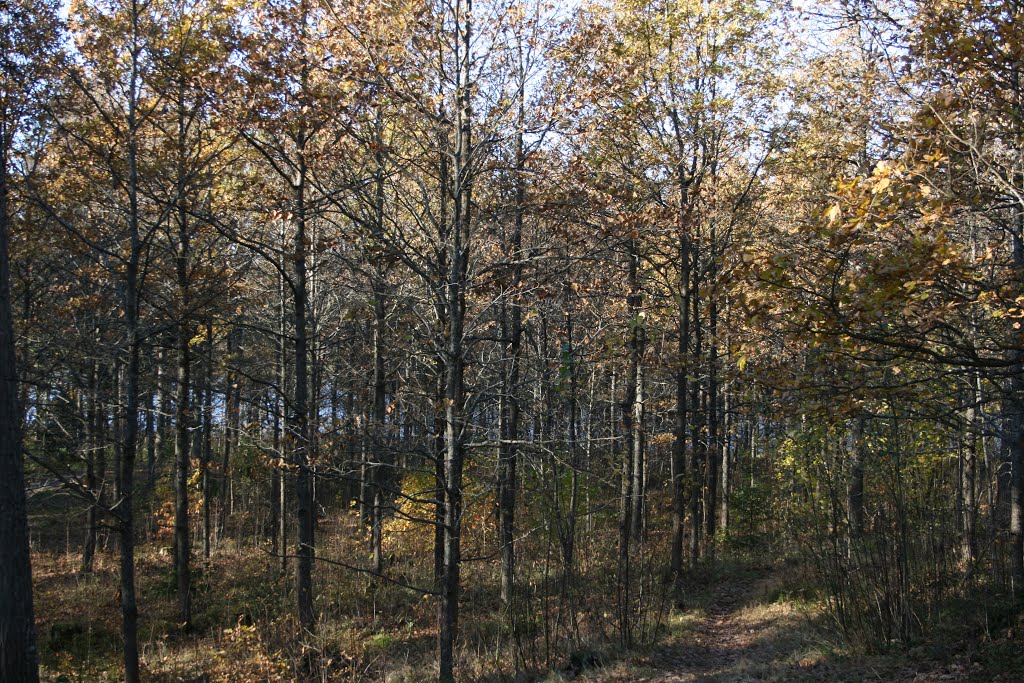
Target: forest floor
{"points": [[748, 626], [745, 621]]}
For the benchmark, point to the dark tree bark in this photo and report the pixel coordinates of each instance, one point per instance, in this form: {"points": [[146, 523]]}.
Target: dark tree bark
{"points": [[182, 426], [568, 526], [632, 418], [968, 482], [855, 502], [714, 444], [377, 430], [682, 381], [161, 407], [151, 441], [1017, 512], [281, 427], [697, 436], [128, 438], [726, 447], [19, 658], [380, 468], [509, 404], [300, 414], [454, 350], [273, 493], [231, 418], [95, 467], [206, 452]]}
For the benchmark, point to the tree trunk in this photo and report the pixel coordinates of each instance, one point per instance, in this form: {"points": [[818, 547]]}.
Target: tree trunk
{"points": [[300, 411], [697, 442], [632, 417], [1017, 443], [377, 431], [714, 444], [128, 438], [439, 478], [1017, 514], [183, 410], [19, 658], [855, 503], [95, 467], [150, 442], [160, 436], [231, 417], [726, 449], [512, 331], [379, 470], [182, 452], [281, 492], [682, 420], [572, 443], [455, 311], [207, 446], [639, 446]]}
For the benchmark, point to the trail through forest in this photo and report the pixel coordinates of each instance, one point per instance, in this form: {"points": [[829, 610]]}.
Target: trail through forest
{"points": [[736, 636], [750, 629]]}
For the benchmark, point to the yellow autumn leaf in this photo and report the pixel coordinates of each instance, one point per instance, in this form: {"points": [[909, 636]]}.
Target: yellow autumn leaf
{"points": [[833, 214]]}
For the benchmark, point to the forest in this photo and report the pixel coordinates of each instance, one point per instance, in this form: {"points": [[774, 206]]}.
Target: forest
{"points": [[511, 340]]}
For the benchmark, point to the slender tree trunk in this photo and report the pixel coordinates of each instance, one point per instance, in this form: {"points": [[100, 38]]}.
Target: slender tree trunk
{"points": [[632, 417], [635, 394], [572, 443], [124, 509], [439, 476], [455, 311], [128, 438], [207, 445], [182, 451], [129, 610], [714, 444], [365, 465], [348, 483], [1017, 511], [380, 467], [512, 330], [19, 657], [95, 466], [445, 190], [697, 440], [377, 430], [1016, 419], [726, 449], [282, 407], [300, 414], [639, 447], [160, 435], [183, 389], [117, 426], [855, 502], [231, 415], [150, 442], [968, 511], [274, 408], [682, 418]]}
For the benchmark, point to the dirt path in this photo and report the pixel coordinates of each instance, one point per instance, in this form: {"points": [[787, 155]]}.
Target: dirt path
{"points": [[737, 637], [745, 634]]}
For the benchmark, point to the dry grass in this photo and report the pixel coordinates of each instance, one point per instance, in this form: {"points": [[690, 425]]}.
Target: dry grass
{"points": [[745, 622], [244, 630]]}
